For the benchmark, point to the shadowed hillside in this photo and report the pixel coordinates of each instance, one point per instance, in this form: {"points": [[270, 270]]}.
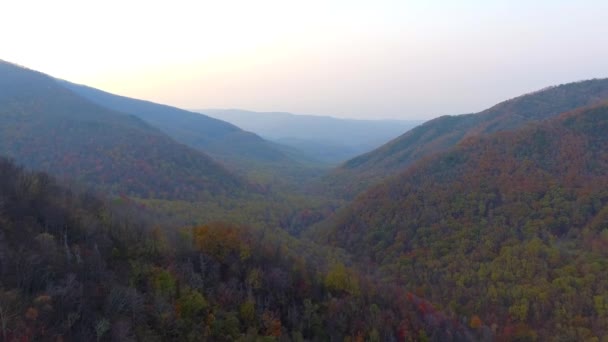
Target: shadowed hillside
{"points": [[242, 151], [46, 126]]}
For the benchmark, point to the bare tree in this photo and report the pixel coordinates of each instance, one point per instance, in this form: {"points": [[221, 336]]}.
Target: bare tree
{"points": [[9, 310]]}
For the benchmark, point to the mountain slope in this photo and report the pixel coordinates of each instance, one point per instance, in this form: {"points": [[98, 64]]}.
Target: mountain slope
{"points": [[75, 267], [46, 126], [444, 132], [242, 151], [324, 138], [511, 226]]}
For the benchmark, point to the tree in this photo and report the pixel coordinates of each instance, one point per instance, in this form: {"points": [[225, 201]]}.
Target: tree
{"points": [[191, 303], [475, 322], [340, 279]]}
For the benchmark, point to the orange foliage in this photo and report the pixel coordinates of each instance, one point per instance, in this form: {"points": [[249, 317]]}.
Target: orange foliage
{"points": [[272, 324], [220, 240], [31, 314], [475, 322]]}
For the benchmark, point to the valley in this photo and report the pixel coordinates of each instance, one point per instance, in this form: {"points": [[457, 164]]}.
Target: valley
{"points": [[123, 219]]}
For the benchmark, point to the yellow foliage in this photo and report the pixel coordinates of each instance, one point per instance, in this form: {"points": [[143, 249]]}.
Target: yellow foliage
{"points": [[340, 279], [254, 278], [247, 311]]}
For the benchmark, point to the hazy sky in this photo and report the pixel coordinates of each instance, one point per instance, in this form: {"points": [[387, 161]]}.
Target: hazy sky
{"points": [[363, 59]]}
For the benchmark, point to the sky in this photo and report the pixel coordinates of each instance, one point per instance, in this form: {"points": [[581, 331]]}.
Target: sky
{"points": [[402, 59]]}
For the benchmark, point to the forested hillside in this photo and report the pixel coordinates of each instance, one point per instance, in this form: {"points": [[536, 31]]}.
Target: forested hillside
{"points": [[489, 226], [47, 127], [242, 151], [77, 268], [445, 132], [509, 229]]}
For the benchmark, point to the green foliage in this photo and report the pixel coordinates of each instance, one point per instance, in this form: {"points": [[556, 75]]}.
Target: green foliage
{"points": [[600, 304], [191, 304], [247, 311], [519, 311], [164, 283], [293, 213]]}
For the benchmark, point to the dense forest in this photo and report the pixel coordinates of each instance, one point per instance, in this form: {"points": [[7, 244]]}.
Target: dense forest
{"points": [[125, 220], [509, 228], [47, 127], [76, 267]]}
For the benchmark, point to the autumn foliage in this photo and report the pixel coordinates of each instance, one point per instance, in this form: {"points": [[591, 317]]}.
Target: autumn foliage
{"points": [[508, 227]]}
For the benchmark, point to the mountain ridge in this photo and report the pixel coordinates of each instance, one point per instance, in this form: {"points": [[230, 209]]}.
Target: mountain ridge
{"points": [[241, 151], [49, 127], [446, 131], [326, 138]]}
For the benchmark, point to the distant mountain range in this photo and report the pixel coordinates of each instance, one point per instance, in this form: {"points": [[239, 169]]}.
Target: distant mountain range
{"points": [[445, 132], [324, 138]]}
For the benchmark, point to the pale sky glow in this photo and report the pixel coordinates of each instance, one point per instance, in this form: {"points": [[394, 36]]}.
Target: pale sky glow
{"points": [[362, 59]]}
